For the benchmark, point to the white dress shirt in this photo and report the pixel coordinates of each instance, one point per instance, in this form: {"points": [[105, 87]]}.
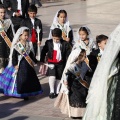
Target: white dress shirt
{"points": [[19, 7], [33, 21]]}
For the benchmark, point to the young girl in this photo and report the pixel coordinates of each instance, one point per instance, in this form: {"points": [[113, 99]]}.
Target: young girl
{"points": [[77, 87], [85, 40], [60, 21], [19, 78], [57, 52]]}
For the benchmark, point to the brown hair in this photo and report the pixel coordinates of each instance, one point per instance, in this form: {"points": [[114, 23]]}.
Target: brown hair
{"points": [[80, 55], [2, 6], [84, 29], [57, 32], [32, 8], [26, 30], [62, 11], [101, 38]]}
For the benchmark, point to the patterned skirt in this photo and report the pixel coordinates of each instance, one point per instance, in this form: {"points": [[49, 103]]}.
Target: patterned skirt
{"points": [[8, 84], [62, 102]]}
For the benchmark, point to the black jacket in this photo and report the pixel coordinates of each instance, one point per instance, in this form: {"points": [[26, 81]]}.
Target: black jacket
{"points": [[95, 52], [93, 61], [48, 48], [13, 4], [4, 49], [27, 22]]}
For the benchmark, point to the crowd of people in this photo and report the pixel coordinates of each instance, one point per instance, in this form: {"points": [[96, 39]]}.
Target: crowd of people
{"points": [[69, 62]]}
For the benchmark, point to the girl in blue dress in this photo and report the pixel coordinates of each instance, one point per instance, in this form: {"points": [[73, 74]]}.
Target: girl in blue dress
{"points": [[19, 78]]}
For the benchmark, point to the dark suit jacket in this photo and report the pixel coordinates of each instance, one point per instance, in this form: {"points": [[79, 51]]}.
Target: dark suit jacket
{"points": [[48, 48], [4, 49], [93, 59], [13, 4], [27, 22], [95, 52]]}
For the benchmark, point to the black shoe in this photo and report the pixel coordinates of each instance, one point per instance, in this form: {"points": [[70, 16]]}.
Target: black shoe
{"points": [[52, 95], [76, 117], [26, 98], [56, 95]]}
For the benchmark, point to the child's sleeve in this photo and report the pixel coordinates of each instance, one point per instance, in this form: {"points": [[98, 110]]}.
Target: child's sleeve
{"points": [[10, 33], [69, 70], [71, 36], [44, 51], [41, 32], [6, 3], [15, 58], [27, 6], [93, 62], [33, 57], [68, 50]]}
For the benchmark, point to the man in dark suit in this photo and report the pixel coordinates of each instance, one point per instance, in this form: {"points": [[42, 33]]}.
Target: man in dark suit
{"points": [[17, 10]]}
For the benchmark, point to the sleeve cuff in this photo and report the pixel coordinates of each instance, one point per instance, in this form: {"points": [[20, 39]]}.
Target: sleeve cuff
{"points": [[14, 14]]}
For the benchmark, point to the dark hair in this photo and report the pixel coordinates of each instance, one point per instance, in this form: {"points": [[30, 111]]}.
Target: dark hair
{"points": [[83, 51], [84, 29], [2, 6], [26, 30], [101, 38], [57, 32], [62, 11], [32, 8]]}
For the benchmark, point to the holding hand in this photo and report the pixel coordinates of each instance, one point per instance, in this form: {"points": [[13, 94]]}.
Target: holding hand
{"points": [[9, 8], [39, 43], [39, 63]]}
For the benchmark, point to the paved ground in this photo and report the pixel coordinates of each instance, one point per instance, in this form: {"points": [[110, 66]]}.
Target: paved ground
{"points": [[101, 16]]}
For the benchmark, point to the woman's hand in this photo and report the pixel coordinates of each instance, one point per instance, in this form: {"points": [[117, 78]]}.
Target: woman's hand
{"points": [[39, 43]]}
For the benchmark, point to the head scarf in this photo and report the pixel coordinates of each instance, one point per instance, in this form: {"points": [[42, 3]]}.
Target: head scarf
{"points": [[15, 40]]}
